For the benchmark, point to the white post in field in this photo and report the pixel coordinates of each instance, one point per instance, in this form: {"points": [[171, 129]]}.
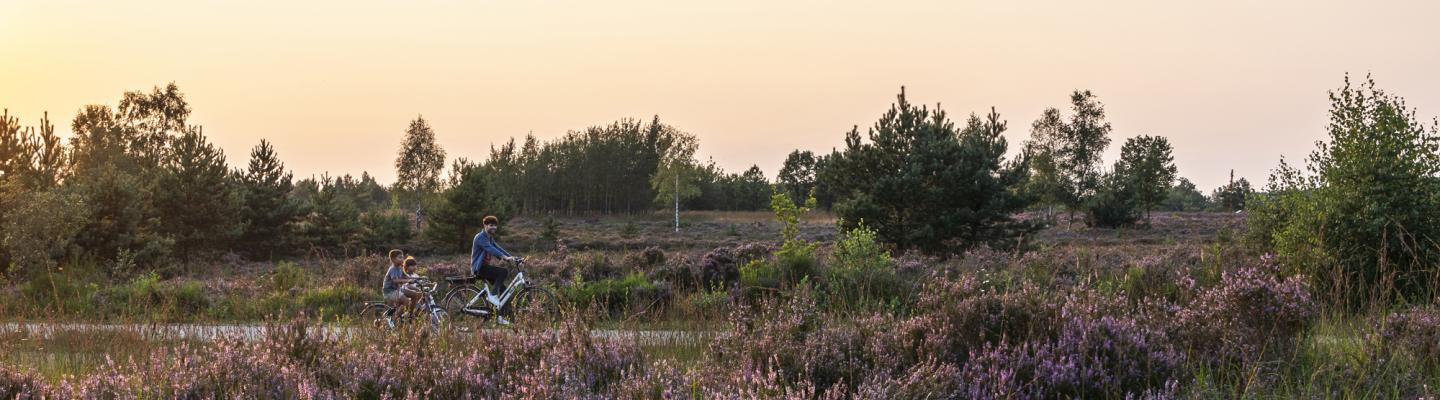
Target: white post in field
{"points": [[677, 201]]}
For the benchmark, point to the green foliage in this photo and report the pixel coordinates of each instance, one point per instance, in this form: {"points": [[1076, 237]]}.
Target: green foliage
{"points": [[925, 184], [333, 222], [550, 229], [462, 208], [146, 295], [611, 168], [195, 193], [418, 162], [860, 272], [677, 174], [34, 159], [1046, 183], [630, 229], [720, 190], [761, 274], [796, 258], [1184, 196], [1147, 163], [269, 213], [385, 229], [1067, 154], [1373, 195], [615, 294], [797, 176], [1233, 196], [288, 275], [122, 219], [39, 230], [1114, 203]]}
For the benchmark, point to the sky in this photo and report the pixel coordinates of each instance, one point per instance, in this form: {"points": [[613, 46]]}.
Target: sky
{"points": [[333, 84]]}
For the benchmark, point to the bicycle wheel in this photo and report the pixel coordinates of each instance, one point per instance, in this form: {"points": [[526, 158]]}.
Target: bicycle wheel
{"points": [[537, 305], [373, 316], [439, 319], [467, 308]]}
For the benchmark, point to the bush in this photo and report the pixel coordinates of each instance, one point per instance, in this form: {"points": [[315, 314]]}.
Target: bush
{"points": [[1416, 332], [1114, 203], [1373, 197], [1252, 315], [385, 229], [954, 319], [645, 259], [23, 384], [860, 272], [288, 276], [596, 267], [147, 295], [333, 301], [620, 294], [760, 274], [718, 267], [1110, 357]]}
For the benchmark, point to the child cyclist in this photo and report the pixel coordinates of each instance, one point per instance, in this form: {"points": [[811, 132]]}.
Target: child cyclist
{"points": [[399, 294]]}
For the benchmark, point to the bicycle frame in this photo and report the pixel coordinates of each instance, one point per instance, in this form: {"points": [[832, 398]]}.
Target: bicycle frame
{"points": [[510, 292]]}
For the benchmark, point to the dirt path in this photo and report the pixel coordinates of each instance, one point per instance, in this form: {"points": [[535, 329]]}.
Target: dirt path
{"points": [[257, 332]]}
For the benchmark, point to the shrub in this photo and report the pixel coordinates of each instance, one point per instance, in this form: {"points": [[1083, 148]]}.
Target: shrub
{"points": [[647, 258], [595, 267], [1253, 314], [621, 294], [1373, 196], [760, 274], [1415, 331], [1111, 357], [385, 229], [288, 276], [333, 301], [860, 271], [718, 267], [22, 384], [954, 318], [1114, 202]]}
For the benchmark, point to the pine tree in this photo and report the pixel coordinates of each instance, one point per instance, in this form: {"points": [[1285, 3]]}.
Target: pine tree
{"points": [[269, 212], [464, 205], [924, 184], [201, 208]]}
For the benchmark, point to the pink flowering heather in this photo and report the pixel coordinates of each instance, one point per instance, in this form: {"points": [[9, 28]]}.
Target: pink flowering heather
{"points": [[1416, 331], [1253, 313]]}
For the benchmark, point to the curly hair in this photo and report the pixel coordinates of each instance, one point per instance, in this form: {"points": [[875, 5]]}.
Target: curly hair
{"points": [[490, 220]]}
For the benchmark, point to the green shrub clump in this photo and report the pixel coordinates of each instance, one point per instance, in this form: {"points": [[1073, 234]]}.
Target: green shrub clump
{"points": [[1366, 222]]}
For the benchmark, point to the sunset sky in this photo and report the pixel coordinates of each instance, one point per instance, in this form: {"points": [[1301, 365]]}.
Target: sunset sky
{"points": [[1233, 84]]}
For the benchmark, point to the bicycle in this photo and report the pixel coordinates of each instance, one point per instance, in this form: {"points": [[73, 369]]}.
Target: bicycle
{"points": [[382, 315], [469, 302]]}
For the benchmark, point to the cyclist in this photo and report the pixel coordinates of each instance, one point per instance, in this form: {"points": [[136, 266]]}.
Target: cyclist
{"points": [[482, 251], [398, 293]]}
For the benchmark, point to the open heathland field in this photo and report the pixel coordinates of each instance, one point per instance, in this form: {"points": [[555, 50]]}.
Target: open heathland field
{"points": [[1176, 309]]}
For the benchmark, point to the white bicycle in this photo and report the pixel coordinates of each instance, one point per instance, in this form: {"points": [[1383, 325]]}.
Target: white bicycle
{"points": [[468, 302]]}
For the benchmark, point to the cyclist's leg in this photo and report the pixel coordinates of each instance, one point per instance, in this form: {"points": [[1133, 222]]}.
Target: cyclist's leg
{"points": [[498, 280], [394, 301], [411, 296], [496, 276]]}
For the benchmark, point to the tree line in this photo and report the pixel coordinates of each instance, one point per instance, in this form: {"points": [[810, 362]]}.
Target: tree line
{"points": [[138, 185]]}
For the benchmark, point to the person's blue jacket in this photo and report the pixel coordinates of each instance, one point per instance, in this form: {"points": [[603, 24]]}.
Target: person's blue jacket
{"points": [[482, 249]]}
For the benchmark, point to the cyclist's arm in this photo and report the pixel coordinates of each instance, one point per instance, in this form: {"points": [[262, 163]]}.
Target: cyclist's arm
{"points": [[494, 248]]}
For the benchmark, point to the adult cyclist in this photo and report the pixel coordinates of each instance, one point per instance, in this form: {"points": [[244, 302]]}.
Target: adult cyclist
{"points": [[482, 251]]}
